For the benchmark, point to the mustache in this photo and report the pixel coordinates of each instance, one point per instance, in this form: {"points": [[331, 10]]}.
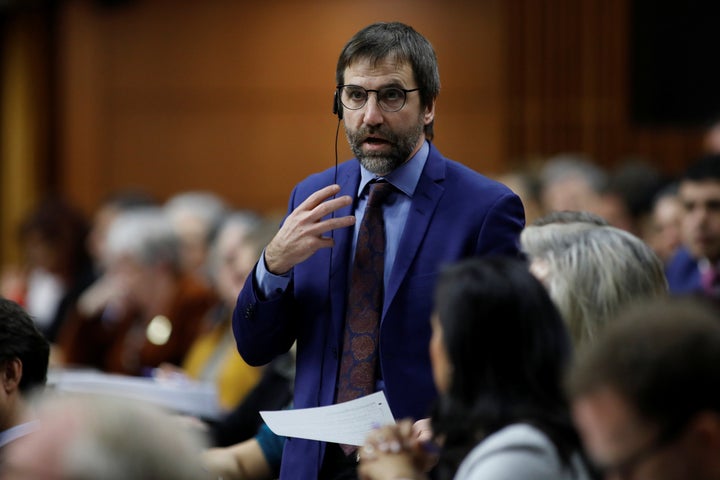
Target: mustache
{"points": [[379, 132]]}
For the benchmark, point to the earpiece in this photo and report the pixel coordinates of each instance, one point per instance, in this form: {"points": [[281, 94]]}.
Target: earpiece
{"points": [[337, 107]]}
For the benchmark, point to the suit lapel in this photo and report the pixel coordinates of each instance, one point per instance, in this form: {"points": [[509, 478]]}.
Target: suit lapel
{"points": [[424, 202], [348, 180]]}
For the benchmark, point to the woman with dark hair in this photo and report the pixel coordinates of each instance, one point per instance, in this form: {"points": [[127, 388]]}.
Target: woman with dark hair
{"points": [[56, 266], [498, 349]]}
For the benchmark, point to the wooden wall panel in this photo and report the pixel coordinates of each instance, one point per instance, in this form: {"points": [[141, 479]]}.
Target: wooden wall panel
{"points": [[235, 97], [568, 86], [25, 114]]}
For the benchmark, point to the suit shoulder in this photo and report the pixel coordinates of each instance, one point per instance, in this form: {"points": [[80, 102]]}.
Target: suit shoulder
{"points": [[680, 262], [462, 176], [318, 180]]}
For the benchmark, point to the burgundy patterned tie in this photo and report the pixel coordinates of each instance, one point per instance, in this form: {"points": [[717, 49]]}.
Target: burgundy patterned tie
{"points": [[359, 354]]}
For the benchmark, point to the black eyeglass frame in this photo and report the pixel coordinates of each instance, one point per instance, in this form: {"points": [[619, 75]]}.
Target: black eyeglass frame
{"points": [[339, 89]]}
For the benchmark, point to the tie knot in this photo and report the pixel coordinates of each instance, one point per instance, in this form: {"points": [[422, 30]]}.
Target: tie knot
{"points": [[379, 192]]}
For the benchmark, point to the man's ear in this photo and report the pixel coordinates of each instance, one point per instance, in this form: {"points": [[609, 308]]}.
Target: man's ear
{"points": [[11, 372], [429, 114]]}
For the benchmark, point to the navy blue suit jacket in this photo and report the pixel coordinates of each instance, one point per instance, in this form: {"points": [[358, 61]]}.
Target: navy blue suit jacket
{"points": [[455, 213], [683, 273]]}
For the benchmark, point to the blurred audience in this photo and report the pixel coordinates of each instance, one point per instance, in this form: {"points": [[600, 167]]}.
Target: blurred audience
{"points": [[105, 294], [156, 310], [24, 354], [571, 182], [527, 187], [274, 391], [663, 232], [93, 437], [108, 210], [628, 196], [195, 217], [56, 268], [694, 268], [213, 357], [498, 350], [591, 271], [711, 140], [646, 395]]}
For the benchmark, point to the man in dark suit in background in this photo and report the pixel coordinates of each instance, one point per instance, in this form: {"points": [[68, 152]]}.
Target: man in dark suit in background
{"points": [[695, 267], [436, 212]]}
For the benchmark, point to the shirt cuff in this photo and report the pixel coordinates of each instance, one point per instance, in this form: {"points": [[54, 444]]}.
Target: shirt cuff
{"points": [[271, 286]]}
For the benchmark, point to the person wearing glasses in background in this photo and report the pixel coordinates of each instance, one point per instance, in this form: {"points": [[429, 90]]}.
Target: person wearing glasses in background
{"points": [[646, 395], [435, 211]]}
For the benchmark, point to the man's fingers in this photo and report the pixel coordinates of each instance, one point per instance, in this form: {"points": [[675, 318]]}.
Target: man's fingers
{"points": [[326, 208], [335, 223], [318, 197]]}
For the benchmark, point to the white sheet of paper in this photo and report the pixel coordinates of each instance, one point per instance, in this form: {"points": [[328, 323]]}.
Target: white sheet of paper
{"points": [[348, 422]]}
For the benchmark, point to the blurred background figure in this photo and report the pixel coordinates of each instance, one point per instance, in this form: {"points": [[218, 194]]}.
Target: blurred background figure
{"points": [[105, 296], [195, 216], [24, 355], [57, 265], [695, 266], [107, 211], [626, 201], [93, 437], [213, 356], [646, 396], [711, 140], [571, 182], [663, 231], [257, 458], [274, 391], [592, 271], [234, 255], [158, 309], [527, 187]]}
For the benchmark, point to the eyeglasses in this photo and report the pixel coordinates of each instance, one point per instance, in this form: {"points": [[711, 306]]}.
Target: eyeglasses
{"points": [[390, 99]]}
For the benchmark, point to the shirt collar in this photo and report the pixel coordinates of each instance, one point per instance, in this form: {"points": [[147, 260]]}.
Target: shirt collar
{"points": [[13, 433], [405, 178]]}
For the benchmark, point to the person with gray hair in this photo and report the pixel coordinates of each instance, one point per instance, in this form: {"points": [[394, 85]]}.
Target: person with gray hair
{"points": [[592, 271], [212, 357], [195, 216], [571, 182], [156, 310], [95, 437]]}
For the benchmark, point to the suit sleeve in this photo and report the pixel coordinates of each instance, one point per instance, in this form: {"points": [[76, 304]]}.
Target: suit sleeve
{"points": [[263, 329], [500, 231]]}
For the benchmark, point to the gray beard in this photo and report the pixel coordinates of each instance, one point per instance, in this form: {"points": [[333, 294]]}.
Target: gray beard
{"points": [[383, 164]]}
